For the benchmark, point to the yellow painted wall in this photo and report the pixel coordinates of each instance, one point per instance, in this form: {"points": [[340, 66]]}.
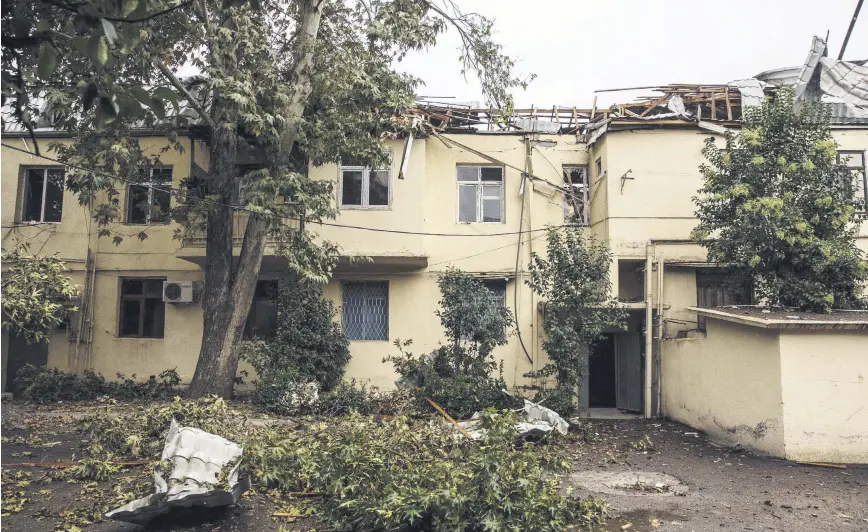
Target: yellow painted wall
{"points": [[825, 395], [728, 385]]}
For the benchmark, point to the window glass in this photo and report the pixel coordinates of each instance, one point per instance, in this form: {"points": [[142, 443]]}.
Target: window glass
{"points": [[365, 310], [133, 286], [491, 210], [262, 319], [138, 204], [378, 193], [160, 207], [467, 203], [130, 316], [154, 318], [492, 174], [54, 195], [351, 194], [468, 173], [34, 184]]}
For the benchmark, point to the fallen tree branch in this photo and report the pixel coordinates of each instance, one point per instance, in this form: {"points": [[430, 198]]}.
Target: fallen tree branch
{"points": [[70, 463]]}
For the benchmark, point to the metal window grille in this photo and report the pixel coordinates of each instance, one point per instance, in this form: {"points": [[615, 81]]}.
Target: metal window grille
{"points": [[365, 310]]}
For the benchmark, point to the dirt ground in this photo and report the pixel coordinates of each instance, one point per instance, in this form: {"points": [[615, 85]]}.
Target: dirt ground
{"points": [[625, 462]]}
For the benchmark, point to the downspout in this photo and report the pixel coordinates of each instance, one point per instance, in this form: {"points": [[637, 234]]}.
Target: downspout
{"points": [[649, 326], [661, 324]]}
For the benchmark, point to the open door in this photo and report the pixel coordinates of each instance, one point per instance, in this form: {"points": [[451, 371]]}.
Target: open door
{"points": [[628, 371]]}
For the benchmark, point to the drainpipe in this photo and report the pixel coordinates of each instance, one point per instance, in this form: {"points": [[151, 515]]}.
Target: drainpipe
{"points": [[649, 326], [661, 324]]}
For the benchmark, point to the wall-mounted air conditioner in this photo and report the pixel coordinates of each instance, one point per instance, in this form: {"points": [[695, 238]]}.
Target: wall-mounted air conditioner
{"points": [[178, 291]]}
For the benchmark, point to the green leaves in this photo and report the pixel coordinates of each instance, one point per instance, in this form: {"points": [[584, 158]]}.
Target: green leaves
{"points": [[128, 6], [781, 211], [47, 60], [97, 49]]}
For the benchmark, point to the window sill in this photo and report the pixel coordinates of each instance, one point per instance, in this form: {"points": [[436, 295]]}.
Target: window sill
{"points": [[480, 223], [361, 208], [145, 224], [25, 224], [128, 337]]}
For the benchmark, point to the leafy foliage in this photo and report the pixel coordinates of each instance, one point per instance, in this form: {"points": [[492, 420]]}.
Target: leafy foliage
{"points": [[308, 343], [459, 376], [375, 474], [49, 385], [779, 212], [36, 294], [573, 278]]}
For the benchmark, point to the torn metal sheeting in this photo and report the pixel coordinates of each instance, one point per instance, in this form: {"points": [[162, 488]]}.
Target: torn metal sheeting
{"points": [[538, 421], [198, 461]]}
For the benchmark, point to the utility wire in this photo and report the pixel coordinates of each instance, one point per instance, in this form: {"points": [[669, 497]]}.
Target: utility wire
{"points": [[175, 192]]}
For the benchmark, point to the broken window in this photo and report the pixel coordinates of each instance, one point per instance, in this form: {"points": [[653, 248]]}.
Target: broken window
{"points": [[362, 187], [262, 318], [43, 195], [576, 207], [365, 310], [143, 312], [855, 162], [148, 201], [480, 194]]}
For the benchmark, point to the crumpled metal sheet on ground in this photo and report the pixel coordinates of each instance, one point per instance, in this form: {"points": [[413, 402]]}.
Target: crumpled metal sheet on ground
{"points": [[538, 422], [197, 458]]}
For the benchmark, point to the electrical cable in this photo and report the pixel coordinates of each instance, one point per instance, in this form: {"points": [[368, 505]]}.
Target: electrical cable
{"points": [[175, 192], [518, 257]]}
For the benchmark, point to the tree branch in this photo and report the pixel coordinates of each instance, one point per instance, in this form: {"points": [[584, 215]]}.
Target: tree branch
{"points": [[183, 90]]}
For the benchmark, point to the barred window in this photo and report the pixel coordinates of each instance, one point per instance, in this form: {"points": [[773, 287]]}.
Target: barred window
{"points": [[497, 288], [365, 310]]}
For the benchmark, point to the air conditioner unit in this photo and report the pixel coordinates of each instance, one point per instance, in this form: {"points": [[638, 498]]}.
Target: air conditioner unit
{"points": [[178, 291]]}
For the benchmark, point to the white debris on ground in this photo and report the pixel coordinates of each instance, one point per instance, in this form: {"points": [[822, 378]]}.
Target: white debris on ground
{"points": [[204, 473], [538, 421]]}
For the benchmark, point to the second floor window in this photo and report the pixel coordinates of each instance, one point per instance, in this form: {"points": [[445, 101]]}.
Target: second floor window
{"points": [[480, 194], [148, 201], [42, 195], [855, 162], [576, 205], [364, 188]]}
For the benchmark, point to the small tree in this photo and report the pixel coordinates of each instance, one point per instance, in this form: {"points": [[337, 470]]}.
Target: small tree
{"points": [[460, 375], [307, 346], [574, 279], [777, 210], [36, 294]]}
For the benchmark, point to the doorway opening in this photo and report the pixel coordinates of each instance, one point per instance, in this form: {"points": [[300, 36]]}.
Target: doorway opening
{"points": [[601, 374]]}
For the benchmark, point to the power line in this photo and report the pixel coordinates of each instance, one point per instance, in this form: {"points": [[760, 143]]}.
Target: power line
{"points": [[175, 192]]}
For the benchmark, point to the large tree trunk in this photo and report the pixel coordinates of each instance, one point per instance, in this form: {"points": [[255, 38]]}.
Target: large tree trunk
{"points": [[228, 297]]}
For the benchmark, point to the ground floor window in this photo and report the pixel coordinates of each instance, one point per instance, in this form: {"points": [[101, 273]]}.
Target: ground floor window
{"points": [[143, 312], [262, 319], [365, 310]]}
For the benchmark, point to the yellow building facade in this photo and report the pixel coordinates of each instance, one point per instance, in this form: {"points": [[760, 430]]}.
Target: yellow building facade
{"points": [[460, 200]]}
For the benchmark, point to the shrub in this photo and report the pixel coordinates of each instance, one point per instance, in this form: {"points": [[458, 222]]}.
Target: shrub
{"points": [[573, 278], [560, 400], [308, 346], [461, 376], [48, 385]]}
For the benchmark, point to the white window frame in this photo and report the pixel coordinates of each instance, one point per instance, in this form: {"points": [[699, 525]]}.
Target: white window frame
{"points": [[366, 186], [864, 170], [150, 183], [480, 196], [585, 200], [24, 184]]}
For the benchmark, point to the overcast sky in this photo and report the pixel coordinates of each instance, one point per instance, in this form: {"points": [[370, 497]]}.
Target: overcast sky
{"points": [[577, 46]]}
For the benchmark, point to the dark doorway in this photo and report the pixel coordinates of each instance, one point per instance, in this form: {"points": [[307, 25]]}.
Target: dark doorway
{"points": [[601, 374], [20, 353]]}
